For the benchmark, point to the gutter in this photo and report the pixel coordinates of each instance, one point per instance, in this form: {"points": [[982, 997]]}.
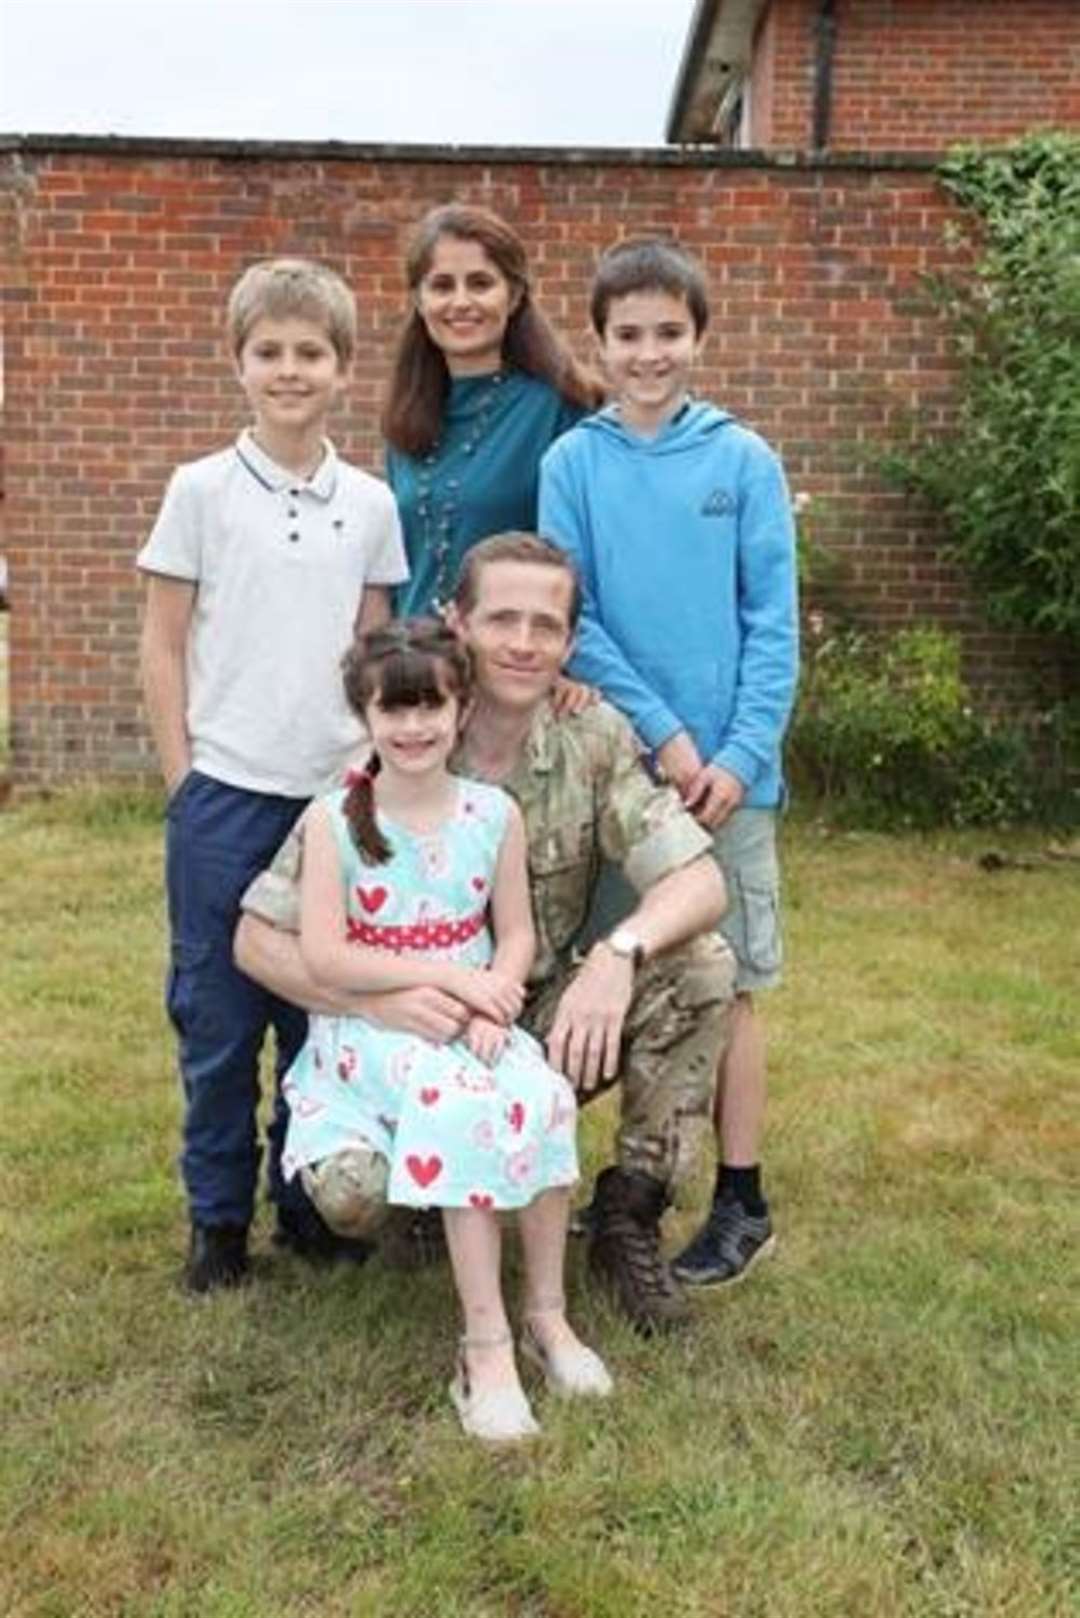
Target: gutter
{"points": [[824, 54], [697, 41]]}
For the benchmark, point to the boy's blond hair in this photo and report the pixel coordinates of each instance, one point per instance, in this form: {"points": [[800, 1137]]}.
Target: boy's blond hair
{"points": [[284, 288]]}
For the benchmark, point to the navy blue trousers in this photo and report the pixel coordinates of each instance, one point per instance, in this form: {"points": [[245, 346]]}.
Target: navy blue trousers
{"points": [[218, 838]]}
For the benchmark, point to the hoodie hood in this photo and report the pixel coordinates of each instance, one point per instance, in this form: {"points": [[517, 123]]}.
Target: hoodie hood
{"points": [[692, 425]]}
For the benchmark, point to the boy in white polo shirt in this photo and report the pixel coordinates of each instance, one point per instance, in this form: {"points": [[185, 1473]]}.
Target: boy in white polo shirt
{"points": [[262, 559]]}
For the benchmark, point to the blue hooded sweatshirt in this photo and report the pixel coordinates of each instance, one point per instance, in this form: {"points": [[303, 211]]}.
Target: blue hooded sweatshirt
{"points": [[685, 545]]}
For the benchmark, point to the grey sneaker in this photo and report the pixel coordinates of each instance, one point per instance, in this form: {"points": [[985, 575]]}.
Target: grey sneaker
{"points": [[726, 1248]]}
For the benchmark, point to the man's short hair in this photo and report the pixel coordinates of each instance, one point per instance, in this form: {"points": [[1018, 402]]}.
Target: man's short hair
{"points": [[292, 288], [655, 264], [513, 547]]}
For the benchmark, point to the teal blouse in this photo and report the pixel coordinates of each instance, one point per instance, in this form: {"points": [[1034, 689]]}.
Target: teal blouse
{"points": [[481, 478]]}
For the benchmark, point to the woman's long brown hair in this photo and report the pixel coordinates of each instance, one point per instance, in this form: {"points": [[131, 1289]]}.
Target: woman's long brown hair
{"points": [[419, 380]]}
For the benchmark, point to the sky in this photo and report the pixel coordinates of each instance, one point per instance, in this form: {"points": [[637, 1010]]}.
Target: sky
{"points": [[444, 72]]}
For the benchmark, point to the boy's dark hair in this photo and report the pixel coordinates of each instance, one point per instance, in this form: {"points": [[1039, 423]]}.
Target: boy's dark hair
{"points": [[654, 264], [413, 663], [513, 547]]}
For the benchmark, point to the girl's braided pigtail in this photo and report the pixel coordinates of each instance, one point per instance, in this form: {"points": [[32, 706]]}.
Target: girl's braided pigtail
{"points": [[359, 812]]}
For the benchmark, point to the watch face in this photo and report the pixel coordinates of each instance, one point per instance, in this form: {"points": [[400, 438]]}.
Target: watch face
{"points": [[623, 942]]}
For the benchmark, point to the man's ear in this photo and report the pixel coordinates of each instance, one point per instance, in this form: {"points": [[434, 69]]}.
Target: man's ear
{"points": [[452, 619], [569, 652]]}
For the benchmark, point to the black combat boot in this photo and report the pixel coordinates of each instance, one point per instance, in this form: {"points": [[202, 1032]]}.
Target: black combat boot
{"points": [[413, 1238], [303, 1232], [624, 1248], [217, 1257]]}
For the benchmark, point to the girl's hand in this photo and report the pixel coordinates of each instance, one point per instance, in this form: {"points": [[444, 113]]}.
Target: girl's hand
{"points": [[486, 1039], [487, 993], [570, 697], [511, 992]]}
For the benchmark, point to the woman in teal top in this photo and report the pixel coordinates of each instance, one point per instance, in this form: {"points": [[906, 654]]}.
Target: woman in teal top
{"points": [[481, 386]]}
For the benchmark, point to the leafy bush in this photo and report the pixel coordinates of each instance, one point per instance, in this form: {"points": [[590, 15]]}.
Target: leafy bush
{"points": [[884, 735], [1007, 481]]}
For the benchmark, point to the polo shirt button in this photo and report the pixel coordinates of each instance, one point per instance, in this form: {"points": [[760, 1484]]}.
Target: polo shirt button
{"points": [[294, 535]]}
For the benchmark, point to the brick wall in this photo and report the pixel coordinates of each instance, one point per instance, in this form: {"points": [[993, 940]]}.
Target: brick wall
{"points": [[918, 75], [119, 256]]}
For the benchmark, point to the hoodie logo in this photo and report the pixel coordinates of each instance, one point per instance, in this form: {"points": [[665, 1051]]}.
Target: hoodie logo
{"points": [[719, 504]]}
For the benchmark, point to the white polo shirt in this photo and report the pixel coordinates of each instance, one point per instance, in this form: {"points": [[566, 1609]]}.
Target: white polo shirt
{"points": [[279, 566]]}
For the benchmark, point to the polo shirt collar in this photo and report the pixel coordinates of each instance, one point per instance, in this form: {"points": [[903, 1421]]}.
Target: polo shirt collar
{"points": [[265, 470]]}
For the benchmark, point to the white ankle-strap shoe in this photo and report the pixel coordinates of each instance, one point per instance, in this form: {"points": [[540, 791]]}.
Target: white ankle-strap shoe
{"points": [[498, 1415], [572, 1373]]}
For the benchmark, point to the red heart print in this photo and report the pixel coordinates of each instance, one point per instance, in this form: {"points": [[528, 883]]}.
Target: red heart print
{"points": [[479, 884], [424, 1169], [516, 1115], [372, 899], [481, 1199], [429, 1095]]}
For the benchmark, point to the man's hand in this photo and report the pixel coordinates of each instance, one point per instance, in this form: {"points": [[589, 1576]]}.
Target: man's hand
{"points": [[585, 1036], [432, 1013], [713, 795], [486, 1039]]}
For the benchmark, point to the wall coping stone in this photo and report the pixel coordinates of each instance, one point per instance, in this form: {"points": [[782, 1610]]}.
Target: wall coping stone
{"points": [[690, 157]]}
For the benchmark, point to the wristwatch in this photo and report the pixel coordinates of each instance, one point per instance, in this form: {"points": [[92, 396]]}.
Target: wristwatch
{"points": [[628, 945]]}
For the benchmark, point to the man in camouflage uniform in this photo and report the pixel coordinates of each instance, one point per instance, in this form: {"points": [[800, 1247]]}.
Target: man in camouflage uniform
{"points": [[646, 1008]]}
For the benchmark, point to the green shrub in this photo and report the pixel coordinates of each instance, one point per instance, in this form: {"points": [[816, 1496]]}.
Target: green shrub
{"points": [[1007, 478], [884, 735]]}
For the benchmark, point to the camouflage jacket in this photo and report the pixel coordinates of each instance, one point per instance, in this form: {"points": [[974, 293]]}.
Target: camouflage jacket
{"points": [[585, 797]]}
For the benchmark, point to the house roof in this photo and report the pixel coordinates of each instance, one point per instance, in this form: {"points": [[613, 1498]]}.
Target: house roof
{"points": [[715, 59]]}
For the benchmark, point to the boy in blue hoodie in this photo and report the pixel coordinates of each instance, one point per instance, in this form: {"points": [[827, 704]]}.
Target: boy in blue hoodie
{"points": [[680, 524]]}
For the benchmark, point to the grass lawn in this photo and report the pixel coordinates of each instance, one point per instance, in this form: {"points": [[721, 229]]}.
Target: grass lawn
{"points": [[5, 718], [883, 1421]]}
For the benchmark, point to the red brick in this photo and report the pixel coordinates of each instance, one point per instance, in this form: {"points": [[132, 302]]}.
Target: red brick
{"points": [[115, 366]]}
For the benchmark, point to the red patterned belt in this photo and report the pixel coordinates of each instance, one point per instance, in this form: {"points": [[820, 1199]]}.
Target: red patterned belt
{"points": [[417, 935]]}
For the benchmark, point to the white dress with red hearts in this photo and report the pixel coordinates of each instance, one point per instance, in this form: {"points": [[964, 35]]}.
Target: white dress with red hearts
{"points": [[455, 1132]]}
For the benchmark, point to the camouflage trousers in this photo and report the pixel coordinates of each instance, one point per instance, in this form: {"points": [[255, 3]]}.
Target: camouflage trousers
{"points": [[673, 1035], [675, 1031]]}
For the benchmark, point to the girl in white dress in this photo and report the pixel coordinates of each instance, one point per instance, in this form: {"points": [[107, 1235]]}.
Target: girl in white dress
{"points": [[414, 877]]}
